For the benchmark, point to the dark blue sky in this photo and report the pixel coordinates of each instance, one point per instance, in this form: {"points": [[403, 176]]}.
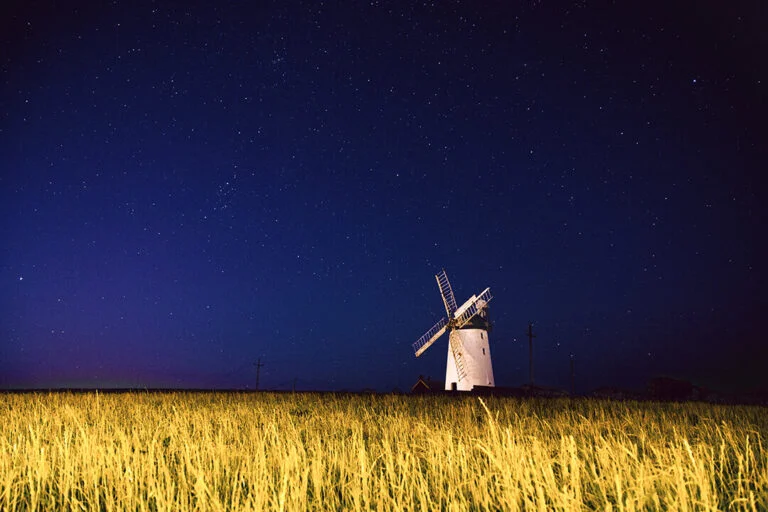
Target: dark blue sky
{"points": [[187, 187]]}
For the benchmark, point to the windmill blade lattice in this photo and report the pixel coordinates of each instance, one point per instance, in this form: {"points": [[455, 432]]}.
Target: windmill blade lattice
{"points": [[447, 293], [474, 308], [429, 337], [454, 339]]}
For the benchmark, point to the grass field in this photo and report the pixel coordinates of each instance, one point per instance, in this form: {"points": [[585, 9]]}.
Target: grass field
{"points": [[230, 451]]}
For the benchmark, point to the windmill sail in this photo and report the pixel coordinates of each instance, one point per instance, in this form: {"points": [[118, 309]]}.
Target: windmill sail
{"points": [[455, 342], [447, 293], [479, 303], [429, 337]]}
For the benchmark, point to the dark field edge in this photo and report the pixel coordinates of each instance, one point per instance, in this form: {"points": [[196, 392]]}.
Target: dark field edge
{"points": [[759, 400]]}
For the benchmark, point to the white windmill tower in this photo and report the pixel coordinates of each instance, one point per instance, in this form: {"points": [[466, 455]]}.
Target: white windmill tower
{"points": [[469, 355]]}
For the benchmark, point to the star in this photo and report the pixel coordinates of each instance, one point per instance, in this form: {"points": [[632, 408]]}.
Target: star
{"points": [[258, 174]]}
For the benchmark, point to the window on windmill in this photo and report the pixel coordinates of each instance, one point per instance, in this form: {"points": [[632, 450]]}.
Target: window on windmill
{"points": [[483, 351], [481, 336]]}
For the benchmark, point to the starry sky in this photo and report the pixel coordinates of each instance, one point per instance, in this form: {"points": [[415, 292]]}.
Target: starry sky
{"points": [[189, 187]]}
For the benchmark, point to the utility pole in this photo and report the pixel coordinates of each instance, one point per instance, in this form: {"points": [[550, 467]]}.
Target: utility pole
{"points": [[258, 371], [573, 373], [530, 350]]}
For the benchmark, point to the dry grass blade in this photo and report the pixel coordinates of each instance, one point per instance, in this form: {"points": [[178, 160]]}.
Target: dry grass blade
{"points": [[178, 451]]}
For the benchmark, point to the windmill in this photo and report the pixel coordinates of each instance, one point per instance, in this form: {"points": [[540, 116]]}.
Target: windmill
{"points": [[469, 355]]}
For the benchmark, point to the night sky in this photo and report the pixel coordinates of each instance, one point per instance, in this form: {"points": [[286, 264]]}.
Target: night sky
{"points": [[188, 187]]}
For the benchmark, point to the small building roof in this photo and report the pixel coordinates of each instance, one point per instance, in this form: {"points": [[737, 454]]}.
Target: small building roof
{"points": [[427, 385]]}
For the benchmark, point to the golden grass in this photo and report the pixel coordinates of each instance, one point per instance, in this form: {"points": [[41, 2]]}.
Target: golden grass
{"points": [[185, 451]]}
